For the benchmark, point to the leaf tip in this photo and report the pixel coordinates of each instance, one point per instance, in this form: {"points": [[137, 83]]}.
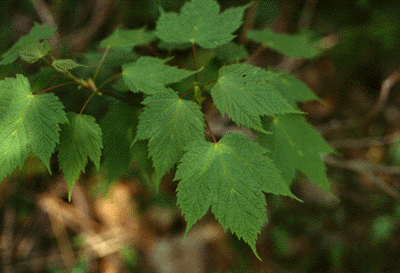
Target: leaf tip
{"points": [[69, 195]]}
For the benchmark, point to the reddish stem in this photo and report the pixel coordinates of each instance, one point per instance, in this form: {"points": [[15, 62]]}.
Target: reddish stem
{"points": [[86, 102], [211, 133], [110, 79], [194, 61], [53, 87]]}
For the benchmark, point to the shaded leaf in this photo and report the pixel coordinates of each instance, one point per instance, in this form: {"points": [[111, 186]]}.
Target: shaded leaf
{"points": [[291, 88], [118, 134], [79, 139], [38, 32], [296, 46], [40, 80], [127, 39], [231, 52], [296, 145]]}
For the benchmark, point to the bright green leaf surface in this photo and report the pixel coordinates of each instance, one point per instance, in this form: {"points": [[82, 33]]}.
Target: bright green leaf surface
{"points": [[118, 134], [38, 32], [65, 65], [28, 123], [35, 51], [79, 139], [296, 46], [296, 145], [230, 176], [200, 22], [169, 123], [244, 92], [127, 39], [149, 75]]}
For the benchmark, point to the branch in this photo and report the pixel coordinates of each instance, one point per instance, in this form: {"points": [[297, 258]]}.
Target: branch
{"points": [[79, 39], [248, 22], [367, 169], [307, 14], [387, 84], [365, 142]]}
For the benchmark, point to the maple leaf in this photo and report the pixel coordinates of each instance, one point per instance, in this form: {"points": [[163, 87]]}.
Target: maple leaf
{"points": [[229, 176], [244, 92], [38, 32], [149, 75], [35, 51], [127, 39], [291, 88], [296, 46], [65, 65], [79, 139], [296, 145], [169, 123], [28, 123], [200, 22]]}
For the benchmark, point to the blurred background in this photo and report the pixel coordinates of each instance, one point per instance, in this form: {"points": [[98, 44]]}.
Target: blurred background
{"points": [[126, 226]]}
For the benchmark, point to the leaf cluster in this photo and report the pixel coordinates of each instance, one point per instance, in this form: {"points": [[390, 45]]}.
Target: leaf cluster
{"points": [[230, 175]]}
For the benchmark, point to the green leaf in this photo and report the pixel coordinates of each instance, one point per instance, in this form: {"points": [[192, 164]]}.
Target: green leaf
{"points": [[127, 39], [296, 145], [40, 80], [28, 123], [200, 22], [35, 51], [291, 88], [38, 32], [174, 46], [231, 52], [115, 57], [150, 75], [169, 123], [244, 92], [230, 176], [296, 46], [118, 134], [79, 139], [65, 65]]}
